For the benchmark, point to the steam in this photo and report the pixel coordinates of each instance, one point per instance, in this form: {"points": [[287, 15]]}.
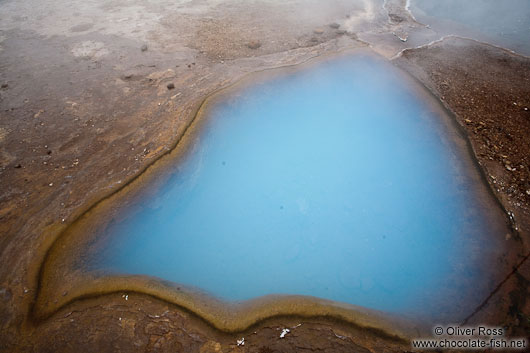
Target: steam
{"points": [[368, 13]]}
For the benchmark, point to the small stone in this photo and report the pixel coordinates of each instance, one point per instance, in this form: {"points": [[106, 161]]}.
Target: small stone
{"points": [[18, 165], [143, 47], [38, 113], [318, 31], [254, 44], [170, 85], [5, 85], [341, 32], [334, 25], [528, 192], [50, 184], [128, 76]]}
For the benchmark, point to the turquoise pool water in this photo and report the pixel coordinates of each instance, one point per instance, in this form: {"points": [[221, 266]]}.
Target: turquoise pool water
{"points": [[336, 181]]}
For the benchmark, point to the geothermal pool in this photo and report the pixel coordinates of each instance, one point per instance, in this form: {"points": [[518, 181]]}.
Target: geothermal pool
{"points": [[342, 180]]}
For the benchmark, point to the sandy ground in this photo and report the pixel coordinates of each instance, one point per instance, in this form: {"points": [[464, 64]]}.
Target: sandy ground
{"points": [[85, 106]]}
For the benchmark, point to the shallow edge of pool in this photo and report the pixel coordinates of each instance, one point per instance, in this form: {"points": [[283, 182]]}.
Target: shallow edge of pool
{"points": [[224, 316], [65, 284]]}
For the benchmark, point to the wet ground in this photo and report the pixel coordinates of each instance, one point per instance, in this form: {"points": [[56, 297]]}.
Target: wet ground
{"points": [[92, 93], [506, 24]]}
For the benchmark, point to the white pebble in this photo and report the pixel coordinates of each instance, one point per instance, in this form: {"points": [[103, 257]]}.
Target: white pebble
{"points": [[284, 332]]}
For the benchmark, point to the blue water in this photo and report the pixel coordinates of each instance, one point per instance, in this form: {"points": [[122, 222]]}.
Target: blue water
{"points": [[334, 181], [505, 23]]}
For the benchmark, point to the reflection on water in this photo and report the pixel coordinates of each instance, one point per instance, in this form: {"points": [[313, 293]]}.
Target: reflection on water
{"points": [[505, 23], [335, 181]]}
